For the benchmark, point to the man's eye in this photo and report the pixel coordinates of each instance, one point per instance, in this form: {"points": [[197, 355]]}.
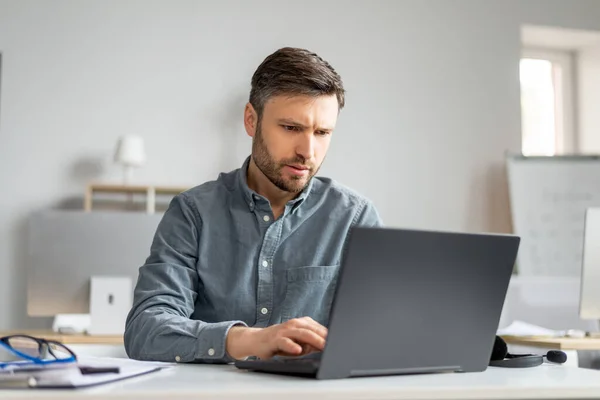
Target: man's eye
{"points": [[323, 133], [290, 128]]}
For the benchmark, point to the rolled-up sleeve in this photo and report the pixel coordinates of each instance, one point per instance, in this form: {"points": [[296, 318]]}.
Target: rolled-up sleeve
{"points": [[159, 326]]}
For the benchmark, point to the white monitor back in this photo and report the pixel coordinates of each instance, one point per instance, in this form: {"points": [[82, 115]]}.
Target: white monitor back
{"points": [[589, 305], [67, 248]]}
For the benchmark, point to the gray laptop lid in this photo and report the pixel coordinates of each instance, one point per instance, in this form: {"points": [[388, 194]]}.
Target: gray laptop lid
{"points": [[416, 301]]}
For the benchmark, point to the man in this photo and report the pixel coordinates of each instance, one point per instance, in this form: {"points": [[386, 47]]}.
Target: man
{"points": [[246, 265]]}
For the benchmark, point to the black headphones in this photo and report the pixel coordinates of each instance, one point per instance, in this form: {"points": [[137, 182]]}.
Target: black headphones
{"points": [[502, 358]]}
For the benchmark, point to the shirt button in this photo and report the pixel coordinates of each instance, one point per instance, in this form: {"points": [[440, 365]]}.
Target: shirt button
{"points": [[264, 311], [211, 352], [265, 263], [266, 218], [177, 358]]}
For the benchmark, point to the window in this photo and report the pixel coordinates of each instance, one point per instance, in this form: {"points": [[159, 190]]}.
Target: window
{"points": [[547, 106]]}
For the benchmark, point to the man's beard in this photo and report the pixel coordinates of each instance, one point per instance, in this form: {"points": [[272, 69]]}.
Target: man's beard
{"points": [[272, 169]]}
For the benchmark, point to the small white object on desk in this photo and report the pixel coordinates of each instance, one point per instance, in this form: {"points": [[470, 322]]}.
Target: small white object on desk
{"points": [[71, 323]]}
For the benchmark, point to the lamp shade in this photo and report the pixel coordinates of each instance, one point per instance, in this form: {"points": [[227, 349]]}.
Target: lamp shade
{"points": [[130, 151]]}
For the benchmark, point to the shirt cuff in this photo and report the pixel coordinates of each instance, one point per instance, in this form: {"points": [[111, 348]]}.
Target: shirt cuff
{"points": [[211, 342]]}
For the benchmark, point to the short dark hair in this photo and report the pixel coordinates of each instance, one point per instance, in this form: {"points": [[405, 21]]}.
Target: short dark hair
{"points": [[294, 71]]}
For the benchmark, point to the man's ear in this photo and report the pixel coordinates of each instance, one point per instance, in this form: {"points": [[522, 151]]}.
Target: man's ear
{"points": [[250, 120]]}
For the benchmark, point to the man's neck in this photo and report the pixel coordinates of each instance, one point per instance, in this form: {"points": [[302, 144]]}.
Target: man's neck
{"points": [[258, 182]]}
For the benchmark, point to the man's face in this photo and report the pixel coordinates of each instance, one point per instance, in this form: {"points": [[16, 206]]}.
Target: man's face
{"points": [[292, 138]]}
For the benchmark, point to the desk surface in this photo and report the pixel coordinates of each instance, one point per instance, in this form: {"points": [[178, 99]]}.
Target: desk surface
{"points": [[69, 338], [227, 382], [558, 343]]}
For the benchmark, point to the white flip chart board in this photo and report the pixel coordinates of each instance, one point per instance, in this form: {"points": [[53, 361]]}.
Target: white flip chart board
{"points": [[549, 197]]}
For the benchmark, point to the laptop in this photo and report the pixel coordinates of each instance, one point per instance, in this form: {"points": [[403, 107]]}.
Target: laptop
{"points": [[410, 301]]}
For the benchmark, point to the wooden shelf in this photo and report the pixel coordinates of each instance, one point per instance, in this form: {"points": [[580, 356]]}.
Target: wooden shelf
{"points": [[67, 339], [150, 191], [557, 343]]}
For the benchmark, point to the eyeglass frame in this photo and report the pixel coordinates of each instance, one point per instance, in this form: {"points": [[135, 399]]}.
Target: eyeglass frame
{"points": [[4, 342]]}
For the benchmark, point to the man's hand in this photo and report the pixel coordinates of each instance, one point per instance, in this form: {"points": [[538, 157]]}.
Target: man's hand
{"points": [[295, 337]]}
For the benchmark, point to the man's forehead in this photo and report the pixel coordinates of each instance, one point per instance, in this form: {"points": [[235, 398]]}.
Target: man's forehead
{"points": [[303, 109]]}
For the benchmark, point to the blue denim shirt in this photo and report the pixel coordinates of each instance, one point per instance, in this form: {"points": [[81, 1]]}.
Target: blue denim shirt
{"points": [[219, 259]]}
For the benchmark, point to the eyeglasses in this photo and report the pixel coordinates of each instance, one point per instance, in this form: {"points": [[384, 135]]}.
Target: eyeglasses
{"points": [[35, 351]]}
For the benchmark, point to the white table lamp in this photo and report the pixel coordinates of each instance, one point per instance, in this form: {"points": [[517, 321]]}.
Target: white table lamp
{"points": [[130, 153]]}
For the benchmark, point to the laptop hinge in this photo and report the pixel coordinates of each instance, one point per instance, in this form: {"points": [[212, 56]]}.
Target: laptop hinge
{"points": [[400, 371]]}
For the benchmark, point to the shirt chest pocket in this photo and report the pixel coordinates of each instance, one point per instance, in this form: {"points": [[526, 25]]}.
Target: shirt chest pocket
{"points": [[309, 293]]}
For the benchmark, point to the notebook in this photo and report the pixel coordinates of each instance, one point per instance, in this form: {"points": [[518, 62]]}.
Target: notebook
{"points": [[70, 377]]}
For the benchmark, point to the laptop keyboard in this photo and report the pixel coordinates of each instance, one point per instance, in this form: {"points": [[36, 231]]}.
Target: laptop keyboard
{"points": [[285, 365], [298, 361], [308, 358]]}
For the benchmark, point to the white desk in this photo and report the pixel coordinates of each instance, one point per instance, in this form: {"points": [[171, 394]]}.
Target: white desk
{"points": [[226, 382]]}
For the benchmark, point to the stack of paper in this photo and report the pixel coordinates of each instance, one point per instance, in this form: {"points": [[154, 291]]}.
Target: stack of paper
{"points": [[69, 376], [520, 328]]}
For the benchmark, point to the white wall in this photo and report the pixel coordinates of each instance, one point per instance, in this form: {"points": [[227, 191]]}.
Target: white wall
{"points": [[433, 100]]}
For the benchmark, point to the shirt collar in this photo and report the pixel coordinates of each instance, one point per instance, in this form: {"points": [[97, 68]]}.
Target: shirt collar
{"points": [[250, 195]]}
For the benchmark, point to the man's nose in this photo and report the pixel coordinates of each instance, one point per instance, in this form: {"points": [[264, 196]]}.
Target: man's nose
{"points": [[306, 146]]}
